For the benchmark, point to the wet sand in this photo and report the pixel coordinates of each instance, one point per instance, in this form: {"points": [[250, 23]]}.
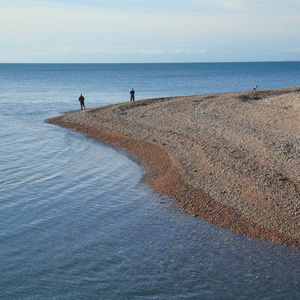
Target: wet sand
{"points": [[232, 158]]}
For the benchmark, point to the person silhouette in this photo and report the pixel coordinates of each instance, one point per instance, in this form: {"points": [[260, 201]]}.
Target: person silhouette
{"points": [[81, 100], [132, 92]]}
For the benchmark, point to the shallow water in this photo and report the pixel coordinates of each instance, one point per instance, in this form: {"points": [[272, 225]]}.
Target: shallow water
{"points": [[77, 222]]}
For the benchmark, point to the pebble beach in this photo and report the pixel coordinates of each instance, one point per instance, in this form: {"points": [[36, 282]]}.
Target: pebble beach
{"points": [[232, 158]]}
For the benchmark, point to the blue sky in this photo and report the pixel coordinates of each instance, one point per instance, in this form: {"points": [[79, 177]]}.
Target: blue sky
{"points": [[104, 31]]}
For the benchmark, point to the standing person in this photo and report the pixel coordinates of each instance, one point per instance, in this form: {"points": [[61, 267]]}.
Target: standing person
{"points": [[132, 92], [81, 100]]}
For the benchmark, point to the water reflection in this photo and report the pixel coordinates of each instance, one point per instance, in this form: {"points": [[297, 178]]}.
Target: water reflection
{"points": [[78, 223]]}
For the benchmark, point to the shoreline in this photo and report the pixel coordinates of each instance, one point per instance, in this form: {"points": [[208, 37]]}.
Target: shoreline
{"points": [[213, 154]]}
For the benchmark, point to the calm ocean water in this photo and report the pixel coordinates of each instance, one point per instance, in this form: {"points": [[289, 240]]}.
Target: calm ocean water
{"points": [[77, 222]]}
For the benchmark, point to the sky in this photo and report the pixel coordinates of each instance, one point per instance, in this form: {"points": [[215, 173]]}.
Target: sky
{"points": [[134, 31]]}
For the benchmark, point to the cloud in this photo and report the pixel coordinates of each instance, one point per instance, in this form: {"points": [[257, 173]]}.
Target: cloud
{"points": [[147, 28], [189, 51], [295, 50], [115, 51], [168, 51]]}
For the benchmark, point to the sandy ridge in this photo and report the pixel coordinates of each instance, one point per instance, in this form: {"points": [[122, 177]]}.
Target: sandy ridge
{"points": [[232, 158]]}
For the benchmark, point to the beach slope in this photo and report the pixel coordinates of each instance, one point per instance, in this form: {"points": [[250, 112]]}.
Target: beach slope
{"points": [[232, 158]]}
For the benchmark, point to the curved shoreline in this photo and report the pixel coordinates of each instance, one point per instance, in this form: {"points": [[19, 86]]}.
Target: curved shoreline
{"points": [[116, 125]]}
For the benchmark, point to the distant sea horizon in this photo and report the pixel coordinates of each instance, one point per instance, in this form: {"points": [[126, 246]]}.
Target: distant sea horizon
{"points": [[170, 62]]}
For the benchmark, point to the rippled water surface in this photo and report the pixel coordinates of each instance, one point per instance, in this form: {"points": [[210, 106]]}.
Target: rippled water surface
{"points": [[77, 222]]}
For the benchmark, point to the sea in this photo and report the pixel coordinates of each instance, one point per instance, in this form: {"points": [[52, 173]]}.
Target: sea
{"points": [[78, 222]]}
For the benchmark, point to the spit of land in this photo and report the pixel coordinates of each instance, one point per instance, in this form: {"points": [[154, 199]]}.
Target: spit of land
{"points": [[230, 158]]}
